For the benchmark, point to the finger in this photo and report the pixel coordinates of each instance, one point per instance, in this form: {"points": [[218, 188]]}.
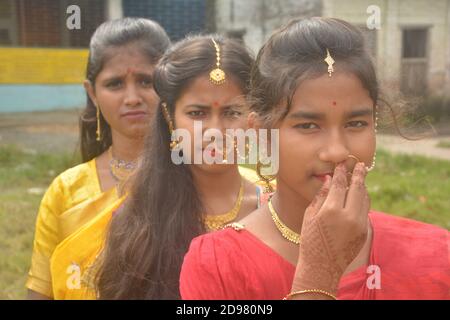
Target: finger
{"points": [[338, 188], [320, 197], [357, 192], [366, 204]]}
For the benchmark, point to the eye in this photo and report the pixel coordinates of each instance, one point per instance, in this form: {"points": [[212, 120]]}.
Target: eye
{"points": [[114, 84], [307, 126], [146, 83], [233, 113], [357, 124], [196, 113]]}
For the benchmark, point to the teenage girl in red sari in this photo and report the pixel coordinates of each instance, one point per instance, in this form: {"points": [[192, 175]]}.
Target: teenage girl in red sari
{"points": [[317, 238]]}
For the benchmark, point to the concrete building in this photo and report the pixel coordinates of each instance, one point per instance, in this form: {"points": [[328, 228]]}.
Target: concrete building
{"points": [[412, 44], [411, 48]]}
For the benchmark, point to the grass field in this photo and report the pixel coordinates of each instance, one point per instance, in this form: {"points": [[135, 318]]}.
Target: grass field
{"points": [[410, 186]]}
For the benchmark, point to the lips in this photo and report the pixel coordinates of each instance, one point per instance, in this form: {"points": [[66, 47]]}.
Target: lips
{"points": [[136, 113], [322, 176]]}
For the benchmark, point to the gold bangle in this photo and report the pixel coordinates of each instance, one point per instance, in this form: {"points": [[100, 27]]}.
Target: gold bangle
{"points": [[290, 295]]}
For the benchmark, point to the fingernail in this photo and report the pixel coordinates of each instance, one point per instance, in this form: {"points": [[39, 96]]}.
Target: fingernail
{"points": [[361, 167]]}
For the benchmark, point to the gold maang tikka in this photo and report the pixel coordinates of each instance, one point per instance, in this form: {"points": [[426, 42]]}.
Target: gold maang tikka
{"points": [[330, 61], [217, 75]]}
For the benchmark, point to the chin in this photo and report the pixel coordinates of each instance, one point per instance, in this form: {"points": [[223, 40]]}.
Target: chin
{"points": [[214, 168], [138, 132]]}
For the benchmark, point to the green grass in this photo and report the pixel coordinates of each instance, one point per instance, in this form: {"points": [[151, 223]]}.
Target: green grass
{"points": [[20, 172], [443, 144], [409, 186]]}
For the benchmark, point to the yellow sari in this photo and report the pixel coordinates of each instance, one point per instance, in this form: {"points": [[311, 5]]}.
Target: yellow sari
{"points": [[73, 262], [73, 199]]}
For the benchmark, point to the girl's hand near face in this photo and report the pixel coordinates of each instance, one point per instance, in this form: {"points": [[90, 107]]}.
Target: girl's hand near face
{"points": [[334, 230]]}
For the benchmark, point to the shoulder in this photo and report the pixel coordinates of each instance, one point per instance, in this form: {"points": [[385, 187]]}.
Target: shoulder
{"points": [[72, 186], [405, 227], [213, 247], [215, 267], [78, 175], [407, 239], [413, 255]]}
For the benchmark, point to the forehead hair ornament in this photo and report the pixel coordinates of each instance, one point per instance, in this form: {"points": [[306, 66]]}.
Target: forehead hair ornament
{"points": [[330, 61], [217, 75]]}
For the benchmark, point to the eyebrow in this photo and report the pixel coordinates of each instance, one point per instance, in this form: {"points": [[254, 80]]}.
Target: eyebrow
{"points": [[320, 116], [121, 76], [359, 113], [229, 106]]}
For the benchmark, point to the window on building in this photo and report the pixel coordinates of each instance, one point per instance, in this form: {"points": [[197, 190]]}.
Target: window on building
{"points": [[8, 23], [4, 37], [414, 62], [415, 43]]}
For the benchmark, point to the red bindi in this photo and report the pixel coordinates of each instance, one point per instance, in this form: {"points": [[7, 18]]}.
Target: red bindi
{"points": [[334, 103], [215, 104]]}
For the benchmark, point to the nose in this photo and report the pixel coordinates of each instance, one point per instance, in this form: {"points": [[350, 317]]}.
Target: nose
{"points": [[132, 97], [214, 122], [335, 149]]}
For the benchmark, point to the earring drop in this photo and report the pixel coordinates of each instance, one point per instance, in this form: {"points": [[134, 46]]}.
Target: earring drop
{"points": [[98, 131]]}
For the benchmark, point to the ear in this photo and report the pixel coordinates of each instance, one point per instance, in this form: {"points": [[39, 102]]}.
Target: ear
{"points": [[89, 87]]}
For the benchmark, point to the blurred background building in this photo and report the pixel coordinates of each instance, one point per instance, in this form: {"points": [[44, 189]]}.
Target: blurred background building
{"points": [[42, 62]]}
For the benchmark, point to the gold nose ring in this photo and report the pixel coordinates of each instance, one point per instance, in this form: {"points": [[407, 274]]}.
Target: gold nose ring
{"points": [[354, 157]]}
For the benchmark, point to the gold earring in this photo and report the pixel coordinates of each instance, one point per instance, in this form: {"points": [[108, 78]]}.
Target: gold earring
{"points": [[374, 159], [98, 131], [173, 143], [264, 179], [367, 168]]}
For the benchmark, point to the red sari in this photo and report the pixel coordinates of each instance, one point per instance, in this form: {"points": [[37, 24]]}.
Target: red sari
{"points": [[408, 260]]}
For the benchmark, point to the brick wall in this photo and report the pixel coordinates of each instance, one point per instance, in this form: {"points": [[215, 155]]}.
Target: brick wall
{"points": [[39, 23], [42, 23]]}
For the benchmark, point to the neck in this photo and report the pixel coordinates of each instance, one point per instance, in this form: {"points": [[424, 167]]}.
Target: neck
{"points": [[126, 148], [217, 187], [290, 206]]}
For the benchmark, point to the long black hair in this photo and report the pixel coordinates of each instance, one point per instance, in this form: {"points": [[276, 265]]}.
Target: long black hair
{"points": [[149, 237]]}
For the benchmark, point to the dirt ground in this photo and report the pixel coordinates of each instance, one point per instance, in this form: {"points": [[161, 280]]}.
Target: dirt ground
{"points": [[53, 131], [57, 131]]}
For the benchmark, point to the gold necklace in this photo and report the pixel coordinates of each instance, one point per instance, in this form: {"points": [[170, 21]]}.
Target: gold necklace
{"points": [[216, 222], [120, 169], [285, 231]]}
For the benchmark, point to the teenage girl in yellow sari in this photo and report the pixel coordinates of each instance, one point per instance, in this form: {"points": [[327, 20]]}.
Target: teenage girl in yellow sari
{"points": [[168, 204], [120, 104]]}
